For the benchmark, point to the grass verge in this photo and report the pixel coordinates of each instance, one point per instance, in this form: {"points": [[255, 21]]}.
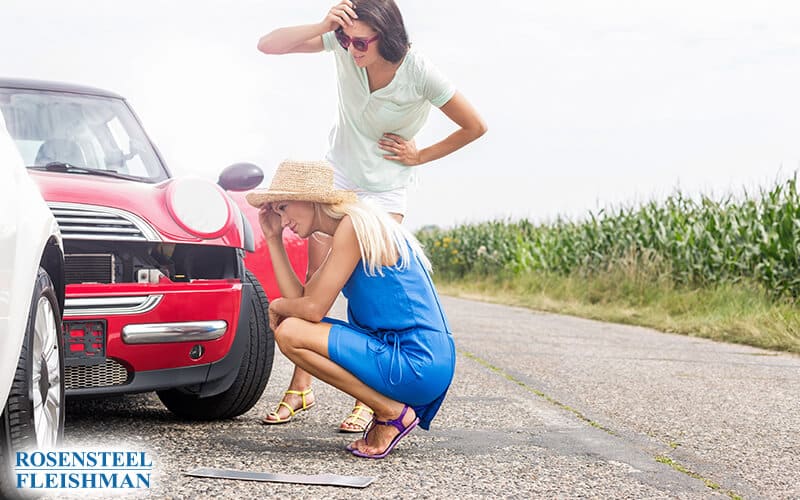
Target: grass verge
{"points": [[740, 313]]}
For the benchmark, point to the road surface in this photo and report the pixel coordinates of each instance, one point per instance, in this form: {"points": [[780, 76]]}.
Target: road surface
{"points": [[542, 406]]}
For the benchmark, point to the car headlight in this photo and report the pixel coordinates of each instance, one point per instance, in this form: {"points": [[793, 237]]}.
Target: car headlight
{"points": [[198, 206]]}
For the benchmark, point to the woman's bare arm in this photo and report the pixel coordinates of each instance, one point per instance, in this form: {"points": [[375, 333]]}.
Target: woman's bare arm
{"points": [[293, 39], [472, 126], [322, 289], [270, 223], [307, 37], [461, 112]]}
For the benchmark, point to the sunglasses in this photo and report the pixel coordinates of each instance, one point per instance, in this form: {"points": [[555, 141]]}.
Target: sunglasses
{"points": [[360, 44]]}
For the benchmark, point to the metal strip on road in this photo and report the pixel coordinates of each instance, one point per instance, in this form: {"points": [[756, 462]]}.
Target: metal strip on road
{"points": [[316, 479]]}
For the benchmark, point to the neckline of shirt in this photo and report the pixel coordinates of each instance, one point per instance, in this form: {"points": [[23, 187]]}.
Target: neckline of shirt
{"points": [[365, 77]]}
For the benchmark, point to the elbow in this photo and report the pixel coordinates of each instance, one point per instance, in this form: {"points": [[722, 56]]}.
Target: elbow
{"points": [[317, 317], [480, 128], [315, 313], [265, 46], [474, 129]]}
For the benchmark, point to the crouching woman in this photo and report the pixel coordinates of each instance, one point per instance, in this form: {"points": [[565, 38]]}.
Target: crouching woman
{"points": [[395, 352]]}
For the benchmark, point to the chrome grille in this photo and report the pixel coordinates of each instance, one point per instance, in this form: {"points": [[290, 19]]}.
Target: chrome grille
{"points": [[107, 374], [90, 222], [108, 306]]}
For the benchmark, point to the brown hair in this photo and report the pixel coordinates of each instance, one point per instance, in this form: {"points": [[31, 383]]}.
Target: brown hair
{"points": [[384, 17]]}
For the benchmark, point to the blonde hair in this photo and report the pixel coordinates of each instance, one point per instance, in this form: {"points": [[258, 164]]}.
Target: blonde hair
{"points": [[380, 238]]}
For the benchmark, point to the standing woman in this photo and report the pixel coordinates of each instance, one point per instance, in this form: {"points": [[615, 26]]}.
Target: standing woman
{"points": [[385, 91]]}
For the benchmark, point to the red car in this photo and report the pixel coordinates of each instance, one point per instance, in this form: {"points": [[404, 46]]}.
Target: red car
{"points": [[167, 279]]}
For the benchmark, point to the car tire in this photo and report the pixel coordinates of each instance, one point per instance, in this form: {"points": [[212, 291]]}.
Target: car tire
{"points": [[254, 371], [34, 413]]}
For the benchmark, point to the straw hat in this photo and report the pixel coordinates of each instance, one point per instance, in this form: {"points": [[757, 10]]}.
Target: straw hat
{"points": [[301, 181]]}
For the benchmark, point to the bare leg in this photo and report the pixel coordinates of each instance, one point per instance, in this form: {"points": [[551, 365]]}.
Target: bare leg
{"points": [[351, 423], [306, 344], [318, 247]]}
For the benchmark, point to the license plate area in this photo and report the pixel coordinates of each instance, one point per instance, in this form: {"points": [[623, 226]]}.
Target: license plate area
{"points": [[84, 342]]}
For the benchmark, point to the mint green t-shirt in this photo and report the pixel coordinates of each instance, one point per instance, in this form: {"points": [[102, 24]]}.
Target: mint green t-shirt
{"points": [[400, 108]]}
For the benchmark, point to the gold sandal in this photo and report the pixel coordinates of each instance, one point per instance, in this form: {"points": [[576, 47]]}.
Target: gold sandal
{"points": [[357, 420], [292, 411]]}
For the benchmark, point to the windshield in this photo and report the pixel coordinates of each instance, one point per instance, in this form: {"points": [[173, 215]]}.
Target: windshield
{"points": [[84, 131]]}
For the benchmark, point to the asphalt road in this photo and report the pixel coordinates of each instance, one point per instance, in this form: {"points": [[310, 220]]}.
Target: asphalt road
{"points": [[542, 406]]}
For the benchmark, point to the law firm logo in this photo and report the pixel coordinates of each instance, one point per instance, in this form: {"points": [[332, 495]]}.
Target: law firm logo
{"points": [[91, 470]]}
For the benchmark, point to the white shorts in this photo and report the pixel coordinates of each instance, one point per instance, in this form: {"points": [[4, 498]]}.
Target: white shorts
{"points": [[394, 201]]}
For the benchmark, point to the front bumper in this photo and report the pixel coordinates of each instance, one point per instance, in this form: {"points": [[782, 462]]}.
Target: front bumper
{"points": [[165, 333], [153, 333]]}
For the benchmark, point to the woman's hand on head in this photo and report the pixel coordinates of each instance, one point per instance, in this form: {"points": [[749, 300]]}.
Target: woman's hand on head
{"points": [[399, 149], [342, 14], [270, 222]]}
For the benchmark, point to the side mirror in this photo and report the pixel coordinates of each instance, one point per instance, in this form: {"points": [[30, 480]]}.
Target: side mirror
{"points": [[240, 177]]}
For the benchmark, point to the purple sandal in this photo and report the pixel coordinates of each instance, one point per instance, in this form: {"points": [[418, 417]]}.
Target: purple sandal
{"points": [[398, 424]]}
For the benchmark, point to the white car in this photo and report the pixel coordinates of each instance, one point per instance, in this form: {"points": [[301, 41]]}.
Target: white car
{"points": [[31, 301]]}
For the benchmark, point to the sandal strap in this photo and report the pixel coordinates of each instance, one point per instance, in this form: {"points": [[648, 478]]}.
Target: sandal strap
{"points": [[357, 409], [302, 395], [357, 415], [396, 422], [288, 407]]}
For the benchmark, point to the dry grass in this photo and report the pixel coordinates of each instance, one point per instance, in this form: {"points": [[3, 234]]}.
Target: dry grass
{"points": [[739, 313]]}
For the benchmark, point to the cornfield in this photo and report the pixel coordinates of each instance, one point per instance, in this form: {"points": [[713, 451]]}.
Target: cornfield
{"points": [[696, 242]]}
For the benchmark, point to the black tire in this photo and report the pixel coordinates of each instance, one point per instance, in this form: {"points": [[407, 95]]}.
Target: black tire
{"points": [[18, 423], [254, 371]]}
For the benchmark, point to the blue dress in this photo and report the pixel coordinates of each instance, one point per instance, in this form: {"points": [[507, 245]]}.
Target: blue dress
{"points": [[397, 339]]}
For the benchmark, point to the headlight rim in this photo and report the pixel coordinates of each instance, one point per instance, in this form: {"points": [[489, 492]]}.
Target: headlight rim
{"points": [[175, 210]]}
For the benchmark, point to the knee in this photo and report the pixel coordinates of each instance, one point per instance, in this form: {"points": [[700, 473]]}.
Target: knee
{"points": [[288, 332]]}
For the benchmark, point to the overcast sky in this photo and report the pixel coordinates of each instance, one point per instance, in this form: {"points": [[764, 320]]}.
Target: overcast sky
{"points": [[589, 103]]}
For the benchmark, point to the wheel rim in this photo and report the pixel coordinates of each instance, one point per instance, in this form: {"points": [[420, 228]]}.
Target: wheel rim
{"points": [[46, 376]]}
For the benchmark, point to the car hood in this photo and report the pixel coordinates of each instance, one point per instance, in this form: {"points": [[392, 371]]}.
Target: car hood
{"points": [[147, 201]]}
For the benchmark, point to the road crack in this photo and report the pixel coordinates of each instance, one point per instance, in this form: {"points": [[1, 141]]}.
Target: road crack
{"points": [[539, 393], [659, 458]]}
